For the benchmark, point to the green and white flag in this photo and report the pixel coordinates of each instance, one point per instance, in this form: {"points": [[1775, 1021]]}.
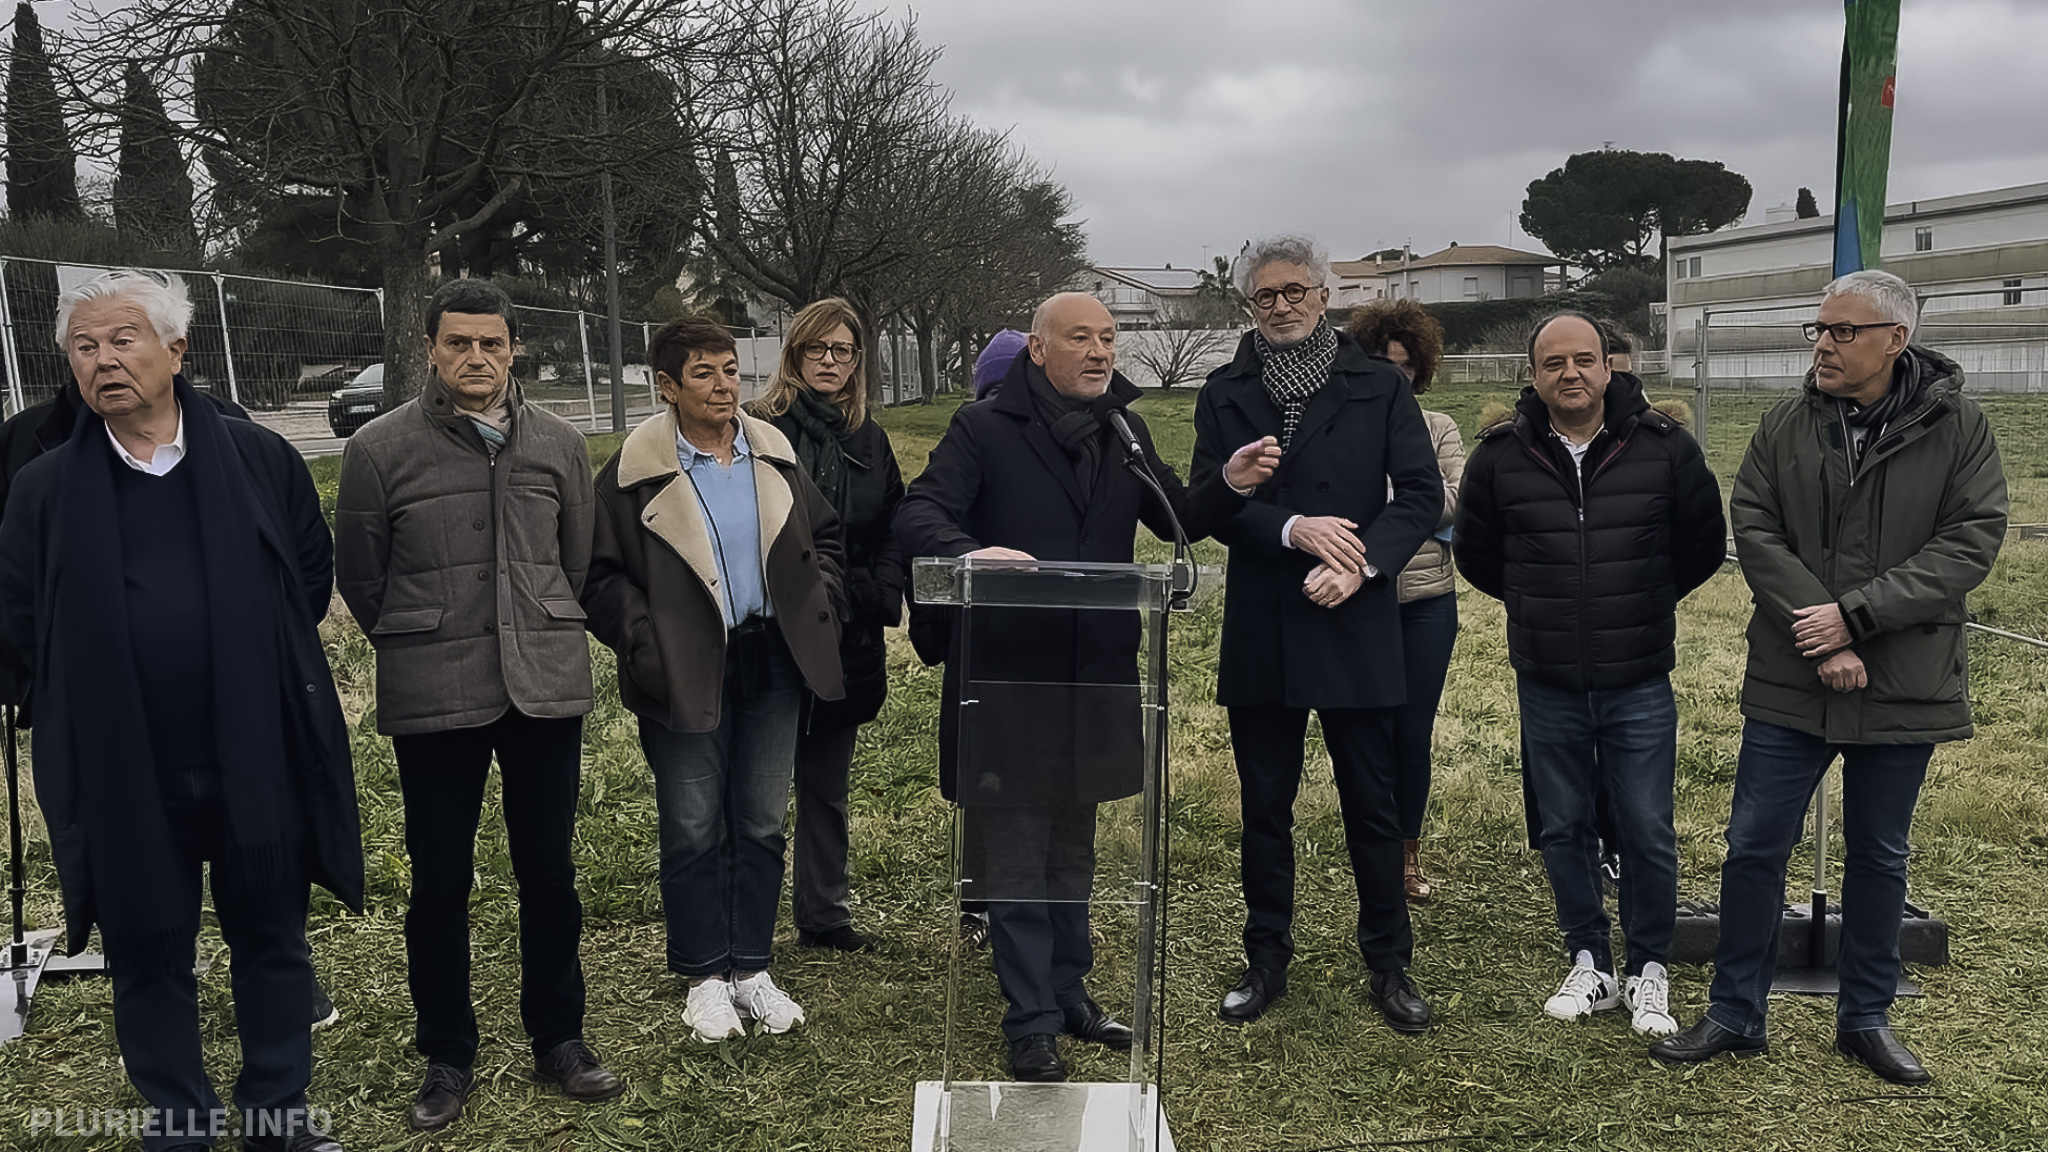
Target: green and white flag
{"points": [[1863, 146]]}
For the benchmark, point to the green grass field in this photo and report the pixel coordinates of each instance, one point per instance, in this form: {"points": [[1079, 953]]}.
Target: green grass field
{"points": [[1320, 1072]]}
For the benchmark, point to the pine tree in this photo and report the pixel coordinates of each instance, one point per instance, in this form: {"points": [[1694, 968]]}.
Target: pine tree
{"points": [[153, 187], [1805, 207], [42, 167]]}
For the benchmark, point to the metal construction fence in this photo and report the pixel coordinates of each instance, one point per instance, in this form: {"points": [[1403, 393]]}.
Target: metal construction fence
{"points": [[1765, 349], [280, 348]]}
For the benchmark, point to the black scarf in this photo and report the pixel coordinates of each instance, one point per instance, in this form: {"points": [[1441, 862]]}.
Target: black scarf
{"points": [[1076, 423], [821, 447], [140, 902], [1292, 375]]}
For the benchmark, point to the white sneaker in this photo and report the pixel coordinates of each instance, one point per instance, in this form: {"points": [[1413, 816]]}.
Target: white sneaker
{"points": [[1649, 1001], [710, 1012], [1585, 990], [757, 998]]}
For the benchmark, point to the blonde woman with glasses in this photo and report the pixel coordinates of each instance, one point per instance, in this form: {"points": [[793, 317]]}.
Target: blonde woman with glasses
{"points": [[818, 399]]}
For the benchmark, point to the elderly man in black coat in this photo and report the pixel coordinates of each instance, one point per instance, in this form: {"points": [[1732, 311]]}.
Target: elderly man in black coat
{"points": [[163, 572], [1034, 473], [1310, 619]]}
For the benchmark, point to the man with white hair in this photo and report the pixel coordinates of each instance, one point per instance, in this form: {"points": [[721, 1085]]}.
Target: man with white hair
{"points": [[1310, 616], [1866, 509], [162, 575]]}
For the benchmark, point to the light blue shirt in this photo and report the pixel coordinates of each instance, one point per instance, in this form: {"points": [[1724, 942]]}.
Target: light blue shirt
{"points": [[725, 493]]}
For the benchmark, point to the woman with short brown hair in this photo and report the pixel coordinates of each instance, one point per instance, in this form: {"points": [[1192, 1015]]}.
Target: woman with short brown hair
{"points": [[715, 577]]}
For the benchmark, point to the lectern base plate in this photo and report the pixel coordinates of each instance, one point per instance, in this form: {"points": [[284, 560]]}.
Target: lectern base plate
{"points": [[1008, 1117]]}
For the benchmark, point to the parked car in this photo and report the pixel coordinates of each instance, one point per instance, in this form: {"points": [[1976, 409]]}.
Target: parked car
{"points": [[356, 403]]}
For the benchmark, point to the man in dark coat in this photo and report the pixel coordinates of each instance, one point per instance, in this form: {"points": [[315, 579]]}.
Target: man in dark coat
{"points": [[164, 571], [1867, 508], [1034, 473], [1592, 514], [1310, 618], [26, 435]]}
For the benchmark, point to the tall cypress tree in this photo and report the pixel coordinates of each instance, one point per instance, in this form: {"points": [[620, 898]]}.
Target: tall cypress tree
{"points": [[153, 187], [42, 167]]}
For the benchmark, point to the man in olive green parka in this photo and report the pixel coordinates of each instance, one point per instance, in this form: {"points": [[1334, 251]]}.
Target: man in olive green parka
{"points": [[1866, 509]]}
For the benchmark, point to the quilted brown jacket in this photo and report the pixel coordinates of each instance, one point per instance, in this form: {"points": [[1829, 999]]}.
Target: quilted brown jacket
{"points": [[464, 568]]}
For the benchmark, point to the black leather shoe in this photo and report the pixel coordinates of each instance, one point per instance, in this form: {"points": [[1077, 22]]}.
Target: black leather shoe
{"points": [[1404, 1008], [1257, 990], [1087, 1021], [441, 1097], [1704, 1041], [324, 1011], [840, 939], [1880, 1051], [1036, 1058], [301, 1141], [571, 1065]]}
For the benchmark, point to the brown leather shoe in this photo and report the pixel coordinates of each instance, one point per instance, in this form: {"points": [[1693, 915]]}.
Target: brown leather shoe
{"points": [[1418, 888], [571, 1065]]}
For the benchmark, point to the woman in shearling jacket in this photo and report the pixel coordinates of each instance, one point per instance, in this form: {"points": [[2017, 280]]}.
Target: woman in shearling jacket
{"points": [[1405, 333], [715, 575]]}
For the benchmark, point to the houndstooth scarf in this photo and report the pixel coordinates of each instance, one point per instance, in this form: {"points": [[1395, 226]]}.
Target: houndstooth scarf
{"points": [[1294, 374]]}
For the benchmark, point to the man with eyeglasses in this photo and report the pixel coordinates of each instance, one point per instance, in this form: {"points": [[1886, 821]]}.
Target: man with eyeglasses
{"points": [[1310, 616], [1867, 508]]}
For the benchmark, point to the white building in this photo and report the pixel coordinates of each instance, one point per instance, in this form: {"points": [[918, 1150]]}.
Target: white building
{"points": [[1474, 272], [1980, 263], [1139, 296]]}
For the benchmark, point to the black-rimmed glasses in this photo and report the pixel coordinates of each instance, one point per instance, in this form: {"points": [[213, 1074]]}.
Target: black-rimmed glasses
{"points": [[843, 353], [1843, 333], [1265, 298]]}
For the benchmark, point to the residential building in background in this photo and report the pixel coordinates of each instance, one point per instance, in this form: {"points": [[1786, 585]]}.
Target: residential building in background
{"points": [[1139, 297], [1979, 261], [1457, 273]]}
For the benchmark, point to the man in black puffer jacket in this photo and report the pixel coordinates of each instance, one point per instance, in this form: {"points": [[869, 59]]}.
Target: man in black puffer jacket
{"points": [[1591, 514]]}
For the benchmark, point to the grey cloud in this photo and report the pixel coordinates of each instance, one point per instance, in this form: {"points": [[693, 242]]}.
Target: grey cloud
{"points": [[1199, 122]]}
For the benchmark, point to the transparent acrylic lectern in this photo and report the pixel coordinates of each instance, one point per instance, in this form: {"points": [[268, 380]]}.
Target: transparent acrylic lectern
{"points": [[1057, 772]]}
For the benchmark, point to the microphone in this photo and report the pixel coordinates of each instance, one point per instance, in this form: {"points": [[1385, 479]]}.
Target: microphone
{"points": [[1184, 575], [1133, 450]]}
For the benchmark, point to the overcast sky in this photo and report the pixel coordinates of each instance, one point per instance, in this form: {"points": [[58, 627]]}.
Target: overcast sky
{"points": [[1180, 124]]}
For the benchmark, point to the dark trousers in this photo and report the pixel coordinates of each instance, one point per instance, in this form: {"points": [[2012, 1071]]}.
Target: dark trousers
{"points": [[1036, 866], [818, 884], [156, 1006], [442, 776], [1429, 631], [1775, 777], [1625, 740], [1267, 743]]}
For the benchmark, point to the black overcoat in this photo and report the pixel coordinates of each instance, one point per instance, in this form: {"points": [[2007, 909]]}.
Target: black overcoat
{"points": [[1362, 430], [875, 572], [25, 436], [998, 479], [298, 556]]}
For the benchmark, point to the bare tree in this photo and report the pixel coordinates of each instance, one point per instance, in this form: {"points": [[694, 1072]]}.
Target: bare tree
{"points": [[1190, 340], [816, 108], [419, 122]]}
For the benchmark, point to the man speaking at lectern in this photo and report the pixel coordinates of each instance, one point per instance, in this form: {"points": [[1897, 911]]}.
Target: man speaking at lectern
{"points": [[1036, 473]]}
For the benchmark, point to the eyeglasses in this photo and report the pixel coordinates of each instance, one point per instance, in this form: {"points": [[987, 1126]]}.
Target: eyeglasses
{"points": [[1843, 333], [843, 353], [1265, 298]]}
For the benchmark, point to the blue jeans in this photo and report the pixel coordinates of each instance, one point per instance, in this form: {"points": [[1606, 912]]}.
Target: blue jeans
{"points": [[1429, 631], [1626, 740], [722, 796], [1774, 781]]}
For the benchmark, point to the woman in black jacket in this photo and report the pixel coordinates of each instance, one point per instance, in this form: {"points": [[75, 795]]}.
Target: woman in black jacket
{"points": [[818, 399]]}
